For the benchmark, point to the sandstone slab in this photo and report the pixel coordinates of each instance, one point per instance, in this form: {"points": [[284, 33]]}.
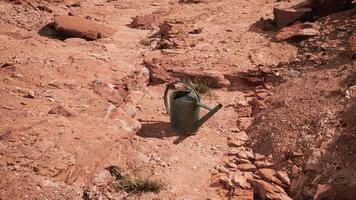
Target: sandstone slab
{"points": [[286, 16], [73, 26]]}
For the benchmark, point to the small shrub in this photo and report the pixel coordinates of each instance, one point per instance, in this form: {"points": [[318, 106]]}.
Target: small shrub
{"points": [[133, 184], [137, 185]]}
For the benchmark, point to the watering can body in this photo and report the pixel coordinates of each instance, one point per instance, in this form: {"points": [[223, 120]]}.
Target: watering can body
{"points": [[184, 110]]}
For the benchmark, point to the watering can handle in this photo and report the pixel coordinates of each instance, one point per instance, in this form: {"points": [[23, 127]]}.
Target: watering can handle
{"points": [[190, 87]]}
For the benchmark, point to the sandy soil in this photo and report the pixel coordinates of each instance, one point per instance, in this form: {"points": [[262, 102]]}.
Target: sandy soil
{"points": [[70, 108]]}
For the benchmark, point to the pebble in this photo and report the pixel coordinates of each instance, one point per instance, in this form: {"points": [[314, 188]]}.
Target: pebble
{"points": [[30, 94]]}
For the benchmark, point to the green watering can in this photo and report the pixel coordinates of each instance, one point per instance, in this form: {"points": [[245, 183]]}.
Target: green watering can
{"points": [[183, 107]]}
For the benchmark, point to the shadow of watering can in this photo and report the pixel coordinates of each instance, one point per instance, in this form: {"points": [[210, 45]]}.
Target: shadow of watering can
{"points": [[183, 107]]}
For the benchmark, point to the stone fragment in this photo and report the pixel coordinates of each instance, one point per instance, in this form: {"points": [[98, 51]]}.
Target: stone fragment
{"points": [[262, 95], [236, 143], [73, 26], [211, 78], [283, 176], [351, 47], [30, 94], [242, 161], [259, 157], [268, 191], [238, 135], [147, 22], [321, 190], [295, 171], [245, 122], [313, 162], [268, 175], [218, 180], [231, 165], [244, 111], [102, 178], [297, 30], [286, 16], [247, 167], [60, 110], [263, 164], [297, 185], [242, 194], [240, 181]]}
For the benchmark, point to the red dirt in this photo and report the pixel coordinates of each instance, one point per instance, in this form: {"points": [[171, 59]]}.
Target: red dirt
{"points": [[70, 108]]}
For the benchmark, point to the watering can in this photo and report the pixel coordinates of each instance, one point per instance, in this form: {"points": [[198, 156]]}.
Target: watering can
{"points": [[183, 107]]}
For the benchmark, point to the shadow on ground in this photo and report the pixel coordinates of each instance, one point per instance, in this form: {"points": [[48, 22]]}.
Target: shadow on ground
{"points": [[160, 130]]}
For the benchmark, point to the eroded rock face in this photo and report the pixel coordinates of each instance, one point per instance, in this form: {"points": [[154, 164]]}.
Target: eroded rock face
{"points": [[73, 26]]}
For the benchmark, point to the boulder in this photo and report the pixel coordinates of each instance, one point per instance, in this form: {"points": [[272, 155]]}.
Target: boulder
{"points": [[73, 26], [300, 30], [286, 16]]}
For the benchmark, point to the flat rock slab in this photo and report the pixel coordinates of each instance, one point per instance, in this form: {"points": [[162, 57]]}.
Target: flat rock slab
{"points": [[73, 26], [286, 16], [297, 30]]}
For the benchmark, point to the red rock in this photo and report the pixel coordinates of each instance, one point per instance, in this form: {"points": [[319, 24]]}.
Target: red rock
{"points": [[286, 16], [60, 110], [210, 78], [245, 122], [241, 181], [297, 30], [147, 22], [297, 185], [245, 111], [247, 167], [263, 164], [236, 143], [313, 162], [262, 95], [260, 157], [269, 175], [283, 176], [351, 47], [73, 26], [242, 194], [268, 191], [242, 161], [320, 190], [218, 180]]}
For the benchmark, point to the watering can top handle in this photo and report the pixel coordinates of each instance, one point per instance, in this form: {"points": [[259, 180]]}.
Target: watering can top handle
{"points": [[173, 83]]}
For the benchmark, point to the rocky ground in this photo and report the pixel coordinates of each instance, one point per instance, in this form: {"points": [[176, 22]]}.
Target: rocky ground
{"points": [[82, 83]]}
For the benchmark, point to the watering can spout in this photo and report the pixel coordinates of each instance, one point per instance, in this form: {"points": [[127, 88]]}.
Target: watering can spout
{"points": [[207, 116]]}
